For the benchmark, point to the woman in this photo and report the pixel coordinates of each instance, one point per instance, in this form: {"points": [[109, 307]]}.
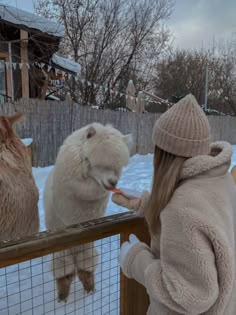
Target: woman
{"points": [[191, 214]]}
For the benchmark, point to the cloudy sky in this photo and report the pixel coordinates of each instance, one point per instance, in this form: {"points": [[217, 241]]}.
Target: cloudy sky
{"points": [[193, 22]]}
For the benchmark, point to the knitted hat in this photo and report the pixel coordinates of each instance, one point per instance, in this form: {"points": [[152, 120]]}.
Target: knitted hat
{"points": [[183, 130]]}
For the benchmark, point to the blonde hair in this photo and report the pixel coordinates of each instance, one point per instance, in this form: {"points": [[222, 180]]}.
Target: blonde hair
{"points": [[166, 178]]}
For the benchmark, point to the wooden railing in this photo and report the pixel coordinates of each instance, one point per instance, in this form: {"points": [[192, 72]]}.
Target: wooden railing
{"points": [[133, 297]]}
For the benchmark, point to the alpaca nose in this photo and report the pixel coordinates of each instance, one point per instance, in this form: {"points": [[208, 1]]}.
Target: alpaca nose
{"points": [[112, 182]]}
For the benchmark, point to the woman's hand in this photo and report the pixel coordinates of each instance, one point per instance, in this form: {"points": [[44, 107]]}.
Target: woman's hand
{"points": [[125, 248], [136, 204], [131, 204], [233, 173]]}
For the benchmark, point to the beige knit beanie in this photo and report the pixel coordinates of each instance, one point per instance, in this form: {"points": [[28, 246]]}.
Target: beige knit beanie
{"points": [[183, 130]]}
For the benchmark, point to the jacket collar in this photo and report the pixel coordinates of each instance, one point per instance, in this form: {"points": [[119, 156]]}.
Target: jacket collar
{"points": [[216, 163]]}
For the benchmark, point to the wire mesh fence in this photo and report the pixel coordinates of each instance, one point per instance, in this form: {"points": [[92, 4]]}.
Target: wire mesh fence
{"points": [[39, 273], [29, 287]]}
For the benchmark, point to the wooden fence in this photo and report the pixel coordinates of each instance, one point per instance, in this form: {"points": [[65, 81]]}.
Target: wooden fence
{"points": [[133, 298], [50, 122]]}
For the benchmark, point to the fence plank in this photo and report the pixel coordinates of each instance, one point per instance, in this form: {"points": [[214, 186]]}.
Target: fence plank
{"points": [[44, 243], [133, 296], [50, 122]]}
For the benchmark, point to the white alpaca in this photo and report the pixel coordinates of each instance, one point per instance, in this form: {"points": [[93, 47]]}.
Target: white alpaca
{"points": [[88, 163]]}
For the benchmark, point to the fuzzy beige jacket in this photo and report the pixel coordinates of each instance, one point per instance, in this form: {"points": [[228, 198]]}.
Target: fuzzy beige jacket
{"points": [[195, 271]]}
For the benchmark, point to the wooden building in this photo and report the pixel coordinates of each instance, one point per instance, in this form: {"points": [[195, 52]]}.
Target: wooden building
{"points": [[28, 44]]}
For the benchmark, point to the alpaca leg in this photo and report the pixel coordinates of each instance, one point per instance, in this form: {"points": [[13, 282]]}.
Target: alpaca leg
{"points": [[64, 271], [63, 287], [87, 279], [86, 260]]}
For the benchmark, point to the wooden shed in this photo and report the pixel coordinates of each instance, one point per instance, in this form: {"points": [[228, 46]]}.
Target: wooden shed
{"points": [[28, 44]]}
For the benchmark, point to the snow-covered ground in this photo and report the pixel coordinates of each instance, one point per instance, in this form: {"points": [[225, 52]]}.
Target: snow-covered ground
{"points": [[28, 288], [137, 175]]}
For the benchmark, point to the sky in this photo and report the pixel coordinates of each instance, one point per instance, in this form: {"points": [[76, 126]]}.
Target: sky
{"points": [[193, 23]]}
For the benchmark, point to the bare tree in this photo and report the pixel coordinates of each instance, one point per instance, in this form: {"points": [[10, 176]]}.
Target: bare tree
{"points": [[183, 72], [110, 39], [222, 84]]}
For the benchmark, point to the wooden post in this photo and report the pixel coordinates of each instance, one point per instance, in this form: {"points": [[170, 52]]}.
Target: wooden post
{"points": [[30, 153], [133, 296], [44, 88], [131, 99], [24, 60], [11, 71]]}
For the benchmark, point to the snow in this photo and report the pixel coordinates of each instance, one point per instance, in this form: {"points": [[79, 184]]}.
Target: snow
{"points": [[53, 97], [34, 280], [19, 17], [66, 63], [27, 141]]}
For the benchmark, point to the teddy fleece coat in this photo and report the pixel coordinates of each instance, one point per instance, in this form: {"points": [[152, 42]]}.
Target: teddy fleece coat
{"points": [[190, 267]]}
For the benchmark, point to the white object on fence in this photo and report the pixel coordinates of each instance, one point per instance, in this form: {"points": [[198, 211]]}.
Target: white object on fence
{"points": [[135, 104], [130, 100], [141, 102]]}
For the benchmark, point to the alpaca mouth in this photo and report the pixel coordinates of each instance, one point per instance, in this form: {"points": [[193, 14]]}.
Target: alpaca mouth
{"points": [[108, 188], [112, 189]]}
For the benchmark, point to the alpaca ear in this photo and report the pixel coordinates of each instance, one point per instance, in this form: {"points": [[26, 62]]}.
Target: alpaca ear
{"points": [[14, 118], [90, 132], [128, 139]]}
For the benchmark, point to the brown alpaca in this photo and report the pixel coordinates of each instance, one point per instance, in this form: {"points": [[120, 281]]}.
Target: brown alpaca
{"points": [[18, 192]]}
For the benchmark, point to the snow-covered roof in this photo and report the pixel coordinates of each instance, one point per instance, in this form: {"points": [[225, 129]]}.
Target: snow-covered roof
{"points": [[19, 17], [66, 64]]}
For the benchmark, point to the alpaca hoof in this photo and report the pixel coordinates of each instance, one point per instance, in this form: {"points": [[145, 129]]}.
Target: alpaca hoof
{"points": [[61, 299], [87, 279], [88, 286], [63, 287]]}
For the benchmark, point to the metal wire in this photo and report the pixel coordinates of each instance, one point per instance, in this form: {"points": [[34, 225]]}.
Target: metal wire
{"points": [[29, 288]]}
